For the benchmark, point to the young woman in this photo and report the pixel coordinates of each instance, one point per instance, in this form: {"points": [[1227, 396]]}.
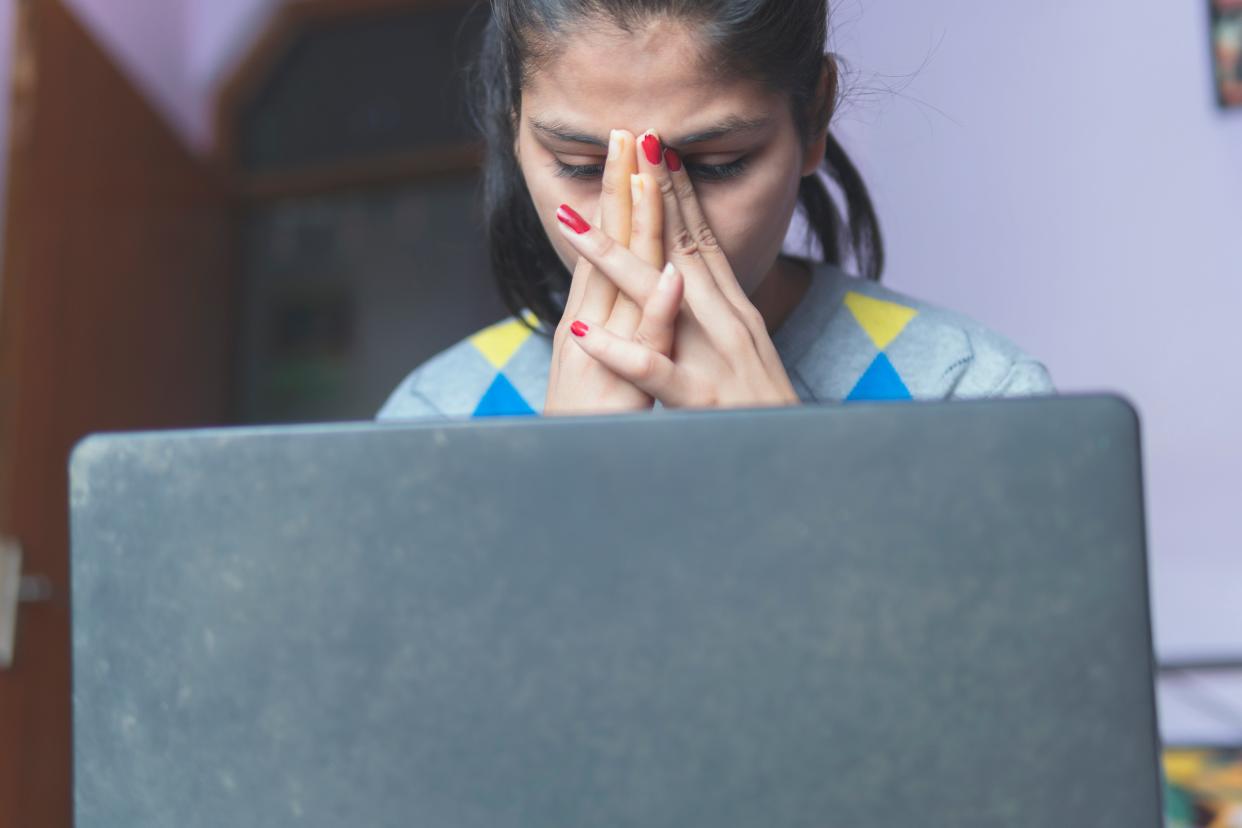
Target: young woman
{"points": [[626, 135]]}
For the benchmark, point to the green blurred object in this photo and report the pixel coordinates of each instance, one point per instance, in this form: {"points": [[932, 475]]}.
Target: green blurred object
{"points": [[298, 380]]}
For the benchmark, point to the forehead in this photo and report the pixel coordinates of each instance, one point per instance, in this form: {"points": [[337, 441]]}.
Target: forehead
{"points": [[656, 77]]}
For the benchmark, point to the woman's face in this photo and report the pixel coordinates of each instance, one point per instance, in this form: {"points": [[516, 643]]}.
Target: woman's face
{"points": [[746, 176]]}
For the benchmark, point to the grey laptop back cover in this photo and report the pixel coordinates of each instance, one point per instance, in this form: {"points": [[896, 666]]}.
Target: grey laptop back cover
{"points": [[918, 614]]}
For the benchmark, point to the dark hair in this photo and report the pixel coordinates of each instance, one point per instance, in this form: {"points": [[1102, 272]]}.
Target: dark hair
{"points": [[780, 43]]}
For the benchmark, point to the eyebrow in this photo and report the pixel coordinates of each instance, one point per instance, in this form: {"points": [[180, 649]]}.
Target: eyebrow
{"points": [[729, 126]]}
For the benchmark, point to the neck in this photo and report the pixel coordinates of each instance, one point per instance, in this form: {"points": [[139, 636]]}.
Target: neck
{"points": [[781, 291]]}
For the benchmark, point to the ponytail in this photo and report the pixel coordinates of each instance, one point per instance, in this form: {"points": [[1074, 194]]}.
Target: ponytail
{"points": [[855, 234]]}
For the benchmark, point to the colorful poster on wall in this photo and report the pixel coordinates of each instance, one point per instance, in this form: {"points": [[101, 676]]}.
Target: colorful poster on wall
{"points": [[1203, 787], [1227, 50]]}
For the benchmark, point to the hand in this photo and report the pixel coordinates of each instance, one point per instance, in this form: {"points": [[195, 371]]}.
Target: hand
{"points": [[576, 382], [723, 356]]}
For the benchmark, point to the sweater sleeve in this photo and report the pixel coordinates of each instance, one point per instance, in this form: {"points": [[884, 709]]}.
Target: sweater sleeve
{"points": [[998, 368], [1025, 377], [406, 402]]}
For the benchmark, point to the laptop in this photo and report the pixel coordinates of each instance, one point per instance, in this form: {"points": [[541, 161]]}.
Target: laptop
{"points": [[877, 614]]}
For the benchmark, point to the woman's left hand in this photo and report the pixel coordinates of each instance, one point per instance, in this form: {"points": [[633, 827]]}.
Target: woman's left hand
{"points": [[722, 355]]}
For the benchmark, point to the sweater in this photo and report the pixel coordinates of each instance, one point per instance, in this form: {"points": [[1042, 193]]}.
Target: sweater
{"points": [[847, 340]]}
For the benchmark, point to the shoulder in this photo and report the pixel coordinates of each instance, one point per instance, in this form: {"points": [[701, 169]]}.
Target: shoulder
{"points": [[499, 370], [878, 343]]}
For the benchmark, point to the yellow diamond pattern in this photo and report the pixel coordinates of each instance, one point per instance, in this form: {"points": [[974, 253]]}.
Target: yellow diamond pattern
{"points": [[883, 321], [500, 342]]}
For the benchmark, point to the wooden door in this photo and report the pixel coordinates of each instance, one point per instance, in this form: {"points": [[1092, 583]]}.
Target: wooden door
{"points": [[115, 314]]}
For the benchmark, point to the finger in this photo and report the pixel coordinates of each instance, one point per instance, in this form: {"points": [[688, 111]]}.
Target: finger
{"points": [[709, 249], [582, 273], [659, 320], [700, 232], [634, 277], [647, 242], [615, 185], [626, 314], [647, 223], [601, 294], [651, 162], [718, 263], [701, 291], [679, 245], [648, 370]]}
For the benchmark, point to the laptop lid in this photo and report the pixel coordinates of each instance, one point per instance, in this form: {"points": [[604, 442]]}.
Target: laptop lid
{"points": [[865, 615]]}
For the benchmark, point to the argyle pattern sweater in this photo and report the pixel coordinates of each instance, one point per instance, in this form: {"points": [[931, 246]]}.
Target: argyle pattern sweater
{"points": [[848, 340]]}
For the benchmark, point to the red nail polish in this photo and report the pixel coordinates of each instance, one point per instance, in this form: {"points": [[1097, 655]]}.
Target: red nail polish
{"points": [[579, 328], [652, 146], [673, 159], [570, 218]]}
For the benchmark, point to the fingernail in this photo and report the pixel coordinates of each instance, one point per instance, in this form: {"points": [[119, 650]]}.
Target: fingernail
{"points": [[579, 329], [570, 218], [636, 189], [614, 144], [666, 278], [673, 159], [652, 147]]}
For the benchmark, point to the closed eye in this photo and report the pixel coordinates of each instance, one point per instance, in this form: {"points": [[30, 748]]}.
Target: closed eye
{"points": [[703, 172]]}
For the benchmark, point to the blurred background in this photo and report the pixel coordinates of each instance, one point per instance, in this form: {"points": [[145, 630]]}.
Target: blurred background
{"points": [[223, 212]]}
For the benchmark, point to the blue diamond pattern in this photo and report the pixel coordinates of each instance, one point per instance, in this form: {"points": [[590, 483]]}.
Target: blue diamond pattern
{"points": [[502, 400], [880, 382]]}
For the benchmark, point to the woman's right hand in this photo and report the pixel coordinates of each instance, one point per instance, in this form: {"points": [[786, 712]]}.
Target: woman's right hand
{"points": [[630, 211]]}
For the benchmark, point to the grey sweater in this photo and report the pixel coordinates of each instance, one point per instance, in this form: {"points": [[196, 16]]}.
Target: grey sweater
{"points": [[847, 340]]}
